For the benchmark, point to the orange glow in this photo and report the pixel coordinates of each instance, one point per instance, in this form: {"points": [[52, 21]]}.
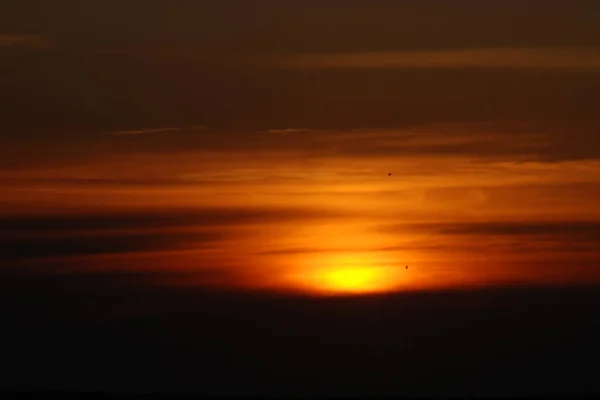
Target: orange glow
{"points": [[328, 225], [354, 280], [348, 274]]}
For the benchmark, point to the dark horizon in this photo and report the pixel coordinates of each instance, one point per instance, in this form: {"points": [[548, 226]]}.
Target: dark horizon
{"points": [[91, 334]]}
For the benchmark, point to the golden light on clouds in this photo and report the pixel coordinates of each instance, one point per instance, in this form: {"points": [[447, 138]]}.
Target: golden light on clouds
{"points": [[328, 222]]}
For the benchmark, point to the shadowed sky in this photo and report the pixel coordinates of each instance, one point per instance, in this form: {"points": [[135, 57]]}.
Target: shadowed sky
{"points": [[246, 145]]}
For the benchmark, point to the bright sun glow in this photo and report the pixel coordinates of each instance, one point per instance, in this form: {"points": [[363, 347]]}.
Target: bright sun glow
{"points": [[359, 280], [357, 274]]}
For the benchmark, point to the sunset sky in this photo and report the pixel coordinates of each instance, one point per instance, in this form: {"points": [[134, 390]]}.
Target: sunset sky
{"points": [[249, 143], [246, 145]]}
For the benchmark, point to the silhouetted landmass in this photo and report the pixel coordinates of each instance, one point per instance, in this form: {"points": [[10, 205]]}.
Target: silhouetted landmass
{"points": [[103, 395], [88, 333]]}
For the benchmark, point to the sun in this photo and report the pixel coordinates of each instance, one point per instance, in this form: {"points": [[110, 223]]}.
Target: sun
{"points": [[348, 274], [353, 280]]}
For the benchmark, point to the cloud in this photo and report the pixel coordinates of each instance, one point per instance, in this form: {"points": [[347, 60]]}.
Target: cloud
{"points": [[302, 250], [569, 228], [512, 58], [289, 130], [206, 217], [148, 161], [494, 139], [50, 236], [512, 139], [190, 180], [147, 131], [446, 140], [439, 139], [22, 40], [93, 182], [574, 240], [25, 247], [567, 232]]}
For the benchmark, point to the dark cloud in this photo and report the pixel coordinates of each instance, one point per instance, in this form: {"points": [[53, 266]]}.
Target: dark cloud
{"points": [[210, 217], [514, 236], [298, 250], [223, 179], [546, 141], [75, 99], [587, 229], [542, 245], [31, 237], [545, 248], [24, 247], [495, 141], [95, 182]]}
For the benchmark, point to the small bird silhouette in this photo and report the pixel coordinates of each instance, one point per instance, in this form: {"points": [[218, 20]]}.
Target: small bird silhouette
{"points": [[407, 267], [390, 174]]}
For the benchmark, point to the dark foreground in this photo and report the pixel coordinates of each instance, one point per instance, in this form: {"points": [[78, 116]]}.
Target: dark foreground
{"points": [[106, 395], [76, 334]]}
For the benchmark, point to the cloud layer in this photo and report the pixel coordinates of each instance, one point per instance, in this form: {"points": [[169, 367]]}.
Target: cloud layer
{"points": [[494, 58], [307, 108]]}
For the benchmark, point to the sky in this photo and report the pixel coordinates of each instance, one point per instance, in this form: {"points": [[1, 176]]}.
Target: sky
{"points": [[298, 148]]}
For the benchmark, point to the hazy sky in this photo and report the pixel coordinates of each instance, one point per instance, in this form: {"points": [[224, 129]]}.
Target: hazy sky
{"points": [[248, 143]]}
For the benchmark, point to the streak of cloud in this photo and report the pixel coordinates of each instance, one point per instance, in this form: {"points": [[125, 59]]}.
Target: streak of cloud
{"points": [[146, 131], [206, 217], [60, 236], [501, 58], [574, 230], [289, 130], [26, 247], [22, 40]]}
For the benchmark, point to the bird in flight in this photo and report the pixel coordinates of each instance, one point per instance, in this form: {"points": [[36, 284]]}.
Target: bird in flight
{"points": [[390, 174]]}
